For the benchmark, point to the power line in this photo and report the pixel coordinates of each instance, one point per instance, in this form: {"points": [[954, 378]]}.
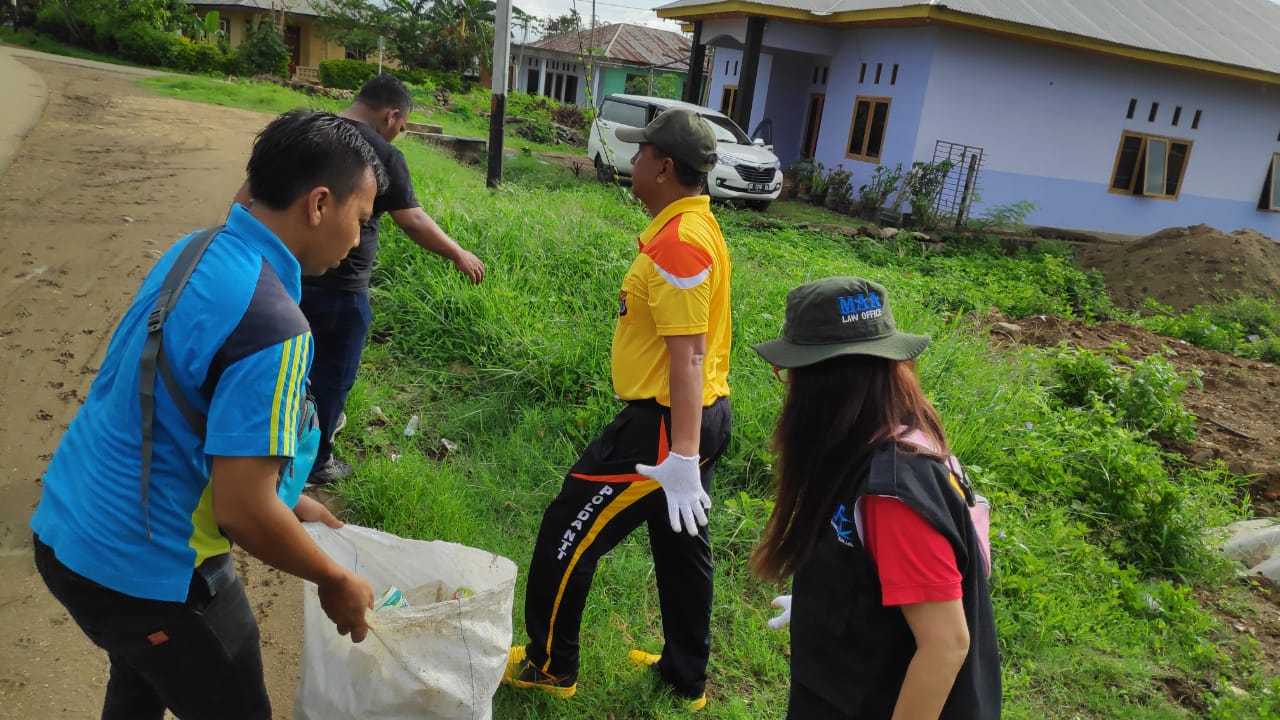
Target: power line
{"points": [[626, 7], [629, 7]]}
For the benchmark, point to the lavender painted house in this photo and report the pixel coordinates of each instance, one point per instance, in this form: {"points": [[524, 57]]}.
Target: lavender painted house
{"points": [[1119, 117]]}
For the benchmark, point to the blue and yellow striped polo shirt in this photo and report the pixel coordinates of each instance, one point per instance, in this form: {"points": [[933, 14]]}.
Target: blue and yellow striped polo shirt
{"points": [[240, 349]]}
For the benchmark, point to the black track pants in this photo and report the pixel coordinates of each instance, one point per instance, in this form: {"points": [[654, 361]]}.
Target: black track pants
{"points": [[601, 502]]}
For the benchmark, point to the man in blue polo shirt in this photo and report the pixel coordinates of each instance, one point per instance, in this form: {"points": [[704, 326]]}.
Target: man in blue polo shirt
{"points": [[148, 575]]}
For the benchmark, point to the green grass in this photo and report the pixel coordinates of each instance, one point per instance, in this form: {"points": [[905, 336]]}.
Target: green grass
{"points": [[249, 95], [514, 373], [798, 211], [1096, 551], [271, 98], [31, 40]]}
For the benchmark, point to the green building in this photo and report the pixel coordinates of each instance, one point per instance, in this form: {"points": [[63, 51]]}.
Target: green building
{"points": [[623, 58]]}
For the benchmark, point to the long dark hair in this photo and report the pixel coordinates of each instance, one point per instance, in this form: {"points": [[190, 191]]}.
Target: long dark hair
{"points": [[834, 413]]}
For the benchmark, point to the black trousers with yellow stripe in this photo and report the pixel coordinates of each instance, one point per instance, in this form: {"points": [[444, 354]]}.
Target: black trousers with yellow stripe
{"points": [[602, 501]]}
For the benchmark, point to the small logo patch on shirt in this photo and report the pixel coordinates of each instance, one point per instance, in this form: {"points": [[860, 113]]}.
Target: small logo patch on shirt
{"points": [[843, 526], [158, 637]]}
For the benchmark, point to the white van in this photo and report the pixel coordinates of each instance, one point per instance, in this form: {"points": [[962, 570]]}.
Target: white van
{"points": [[745, 170]]}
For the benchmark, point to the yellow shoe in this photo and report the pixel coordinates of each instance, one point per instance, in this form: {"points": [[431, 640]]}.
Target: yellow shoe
{"points": [[644, 661], [520, 673]]}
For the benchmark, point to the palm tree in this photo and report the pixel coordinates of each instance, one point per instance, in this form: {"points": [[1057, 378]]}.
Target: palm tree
{"points": [[467, 23]]}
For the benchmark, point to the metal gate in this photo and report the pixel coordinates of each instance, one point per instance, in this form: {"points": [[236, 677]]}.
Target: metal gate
{"points": [[961, 183]]}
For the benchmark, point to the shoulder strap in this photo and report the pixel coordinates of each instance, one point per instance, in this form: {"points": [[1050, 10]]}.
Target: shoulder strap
{"points": [[153, 358]]}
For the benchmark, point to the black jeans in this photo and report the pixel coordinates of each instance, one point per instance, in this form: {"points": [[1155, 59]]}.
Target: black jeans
{"points": [[339, 325], [199, 658]]}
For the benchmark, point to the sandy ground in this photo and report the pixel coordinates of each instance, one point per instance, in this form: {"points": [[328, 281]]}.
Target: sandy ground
{"points": [[108, 179]]}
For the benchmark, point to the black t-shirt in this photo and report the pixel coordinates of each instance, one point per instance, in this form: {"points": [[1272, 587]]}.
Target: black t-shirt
{"points": [[353, 274]]}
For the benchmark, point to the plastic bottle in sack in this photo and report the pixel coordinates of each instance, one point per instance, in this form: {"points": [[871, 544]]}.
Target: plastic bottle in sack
{"points": [[391, 598]]}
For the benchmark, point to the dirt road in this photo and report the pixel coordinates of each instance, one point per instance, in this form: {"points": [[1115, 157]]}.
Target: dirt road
{"points": [[108, 179]]}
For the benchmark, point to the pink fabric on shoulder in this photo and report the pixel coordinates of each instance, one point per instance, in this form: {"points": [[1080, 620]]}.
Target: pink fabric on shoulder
{"points": [[980, 511]]}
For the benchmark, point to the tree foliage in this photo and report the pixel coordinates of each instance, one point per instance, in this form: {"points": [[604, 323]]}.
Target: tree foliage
{"points": [[263, 52], [356, 25], [663, 85], [96, 23], [455, 35], [569, 22], [465, 31]]}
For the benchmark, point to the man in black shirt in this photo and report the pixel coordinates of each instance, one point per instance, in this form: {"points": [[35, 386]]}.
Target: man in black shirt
{"points": [[337, 303]]}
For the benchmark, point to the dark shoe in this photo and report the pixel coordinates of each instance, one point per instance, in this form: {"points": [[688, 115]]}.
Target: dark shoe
{"points": [[521, 673], [329, 473]]}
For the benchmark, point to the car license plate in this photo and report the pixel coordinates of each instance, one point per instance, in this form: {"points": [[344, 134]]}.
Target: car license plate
{"points": [[758, 187]]}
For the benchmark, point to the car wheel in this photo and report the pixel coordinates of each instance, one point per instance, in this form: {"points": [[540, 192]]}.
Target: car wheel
{"points": [[605, 173]]}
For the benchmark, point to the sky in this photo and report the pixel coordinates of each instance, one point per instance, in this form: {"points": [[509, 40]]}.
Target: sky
{"points": [[637, 12]]}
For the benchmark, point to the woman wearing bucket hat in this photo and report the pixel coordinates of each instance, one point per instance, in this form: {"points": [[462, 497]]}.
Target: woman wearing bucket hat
{"points": [[890, 614]]}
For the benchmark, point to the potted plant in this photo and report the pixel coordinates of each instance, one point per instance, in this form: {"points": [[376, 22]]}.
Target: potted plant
{"points": [[872, 196], [800, 172], [839, 188], [818, 184]]}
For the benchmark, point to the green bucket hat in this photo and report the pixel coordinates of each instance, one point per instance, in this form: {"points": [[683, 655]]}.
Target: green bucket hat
{"points": [[839, 316], [681, 134]]}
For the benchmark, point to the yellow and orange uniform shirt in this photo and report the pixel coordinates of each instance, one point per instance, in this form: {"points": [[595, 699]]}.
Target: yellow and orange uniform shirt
{"points": [[677, 285]]}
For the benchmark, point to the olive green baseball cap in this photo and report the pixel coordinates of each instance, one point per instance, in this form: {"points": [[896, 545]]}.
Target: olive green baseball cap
{"points": [[681, 134], [839, 316]]}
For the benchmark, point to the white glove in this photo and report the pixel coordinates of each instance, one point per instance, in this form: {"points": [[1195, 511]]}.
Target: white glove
{"points": [[680, 480], [783, 602]]}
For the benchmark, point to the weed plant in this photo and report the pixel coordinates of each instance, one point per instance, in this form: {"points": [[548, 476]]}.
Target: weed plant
{"points": [[1097, 532], [1247, 326]]}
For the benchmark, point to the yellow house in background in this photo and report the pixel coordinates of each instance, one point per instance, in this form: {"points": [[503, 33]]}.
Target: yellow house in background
{"points": [[301, 21]]}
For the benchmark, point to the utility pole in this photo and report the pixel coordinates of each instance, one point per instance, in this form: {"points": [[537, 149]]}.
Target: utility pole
{"points": [[498, 106]]}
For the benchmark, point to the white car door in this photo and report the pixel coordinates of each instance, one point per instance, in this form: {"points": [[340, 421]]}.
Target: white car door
{"points": [[615, 114]]}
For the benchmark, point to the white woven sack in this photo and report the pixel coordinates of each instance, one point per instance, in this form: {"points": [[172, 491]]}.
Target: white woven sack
{"points": [[438, 658]]}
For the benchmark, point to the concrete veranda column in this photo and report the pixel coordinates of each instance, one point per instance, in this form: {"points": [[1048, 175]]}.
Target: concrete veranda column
{"points": [[697, 57], [750, 67]]}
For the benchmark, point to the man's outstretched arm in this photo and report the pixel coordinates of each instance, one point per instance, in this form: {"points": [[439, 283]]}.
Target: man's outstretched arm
{"points": [[424, 231]]}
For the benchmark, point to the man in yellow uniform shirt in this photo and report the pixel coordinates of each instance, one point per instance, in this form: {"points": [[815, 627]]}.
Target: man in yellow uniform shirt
{"points": [[653, 464]]}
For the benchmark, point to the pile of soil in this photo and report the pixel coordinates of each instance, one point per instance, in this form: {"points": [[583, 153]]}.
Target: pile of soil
{"points": [[1186, 266]]}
